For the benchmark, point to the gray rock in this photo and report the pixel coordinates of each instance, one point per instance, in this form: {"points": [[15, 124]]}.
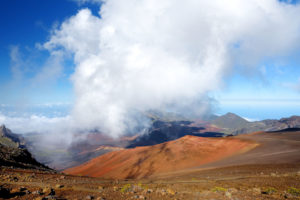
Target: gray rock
{"points": [[89, 197]]}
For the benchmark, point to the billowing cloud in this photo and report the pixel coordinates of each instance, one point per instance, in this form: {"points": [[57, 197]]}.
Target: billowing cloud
{"points": [[166, 55], [41, 124]]}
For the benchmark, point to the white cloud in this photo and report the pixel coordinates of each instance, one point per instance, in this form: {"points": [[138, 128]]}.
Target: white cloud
{"points": [[16, 63], [41, 124], [29, 76], [50, 72], [143, 55], [81, 2]]}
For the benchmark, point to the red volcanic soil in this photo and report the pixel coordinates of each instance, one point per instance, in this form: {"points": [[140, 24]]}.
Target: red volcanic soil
{"points": [[141, 162]]}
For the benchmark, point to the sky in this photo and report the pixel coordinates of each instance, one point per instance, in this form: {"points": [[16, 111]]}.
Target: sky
{"points": [[67, 59]]}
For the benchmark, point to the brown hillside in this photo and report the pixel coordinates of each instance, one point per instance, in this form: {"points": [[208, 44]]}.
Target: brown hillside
{"points": [[186, 152]]}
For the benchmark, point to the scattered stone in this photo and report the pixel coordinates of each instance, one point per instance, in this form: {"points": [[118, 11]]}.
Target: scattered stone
{"points": [[287, 196], [228, 194], [256, 190], [37, 192], [46, 190], [49, 197], [273, 175], [136, 188], [59, 186], [149, 191], [100, 198], [115, 188], [232, 190], [163, 192], [170, 191], [139, 197], [205, 193], [22, 189], [62, 177], [49, 191], [298, 173], [89, 197], [27, 191], [100, 187], [14, 190]]}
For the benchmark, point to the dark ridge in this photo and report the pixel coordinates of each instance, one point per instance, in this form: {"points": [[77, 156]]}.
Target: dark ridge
{"points": [[210, 134], [13, 152], [19, 158], [286, 130], [162, 131]]}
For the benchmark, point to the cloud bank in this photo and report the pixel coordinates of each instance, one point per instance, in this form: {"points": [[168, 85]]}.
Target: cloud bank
{"points": [[166, 55]]}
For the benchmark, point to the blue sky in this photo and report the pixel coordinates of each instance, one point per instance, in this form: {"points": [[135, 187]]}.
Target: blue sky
{"points": [[270, 94], [270, 91], [24, 24]]}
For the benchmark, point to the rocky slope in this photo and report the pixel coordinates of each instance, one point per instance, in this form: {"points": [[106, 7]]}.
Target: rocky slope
{"points": [[10, 139], [13, 152]]}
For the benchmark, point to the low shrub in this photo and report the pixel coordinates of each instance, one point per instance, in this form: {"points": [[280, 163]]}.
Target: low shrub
{"points": [[219, 189], [294, 191]]}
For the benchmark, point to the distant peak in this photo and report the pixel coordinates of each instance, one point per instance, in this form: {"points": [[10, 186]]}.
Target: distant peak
{"points": [[231, 114], [3, 130], [230, 120], [187, 137]]}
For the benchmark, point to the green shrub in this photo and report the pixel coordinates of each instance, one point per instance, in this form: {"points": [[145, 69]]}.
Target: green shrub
{"points": [[219, 189], [269, 190], [126, 188], [294, 191]]}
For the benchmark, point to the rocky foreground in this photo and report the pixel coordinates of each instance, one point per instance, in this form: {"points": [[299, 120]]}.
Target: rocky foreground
{"points": [[238, 183]]}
